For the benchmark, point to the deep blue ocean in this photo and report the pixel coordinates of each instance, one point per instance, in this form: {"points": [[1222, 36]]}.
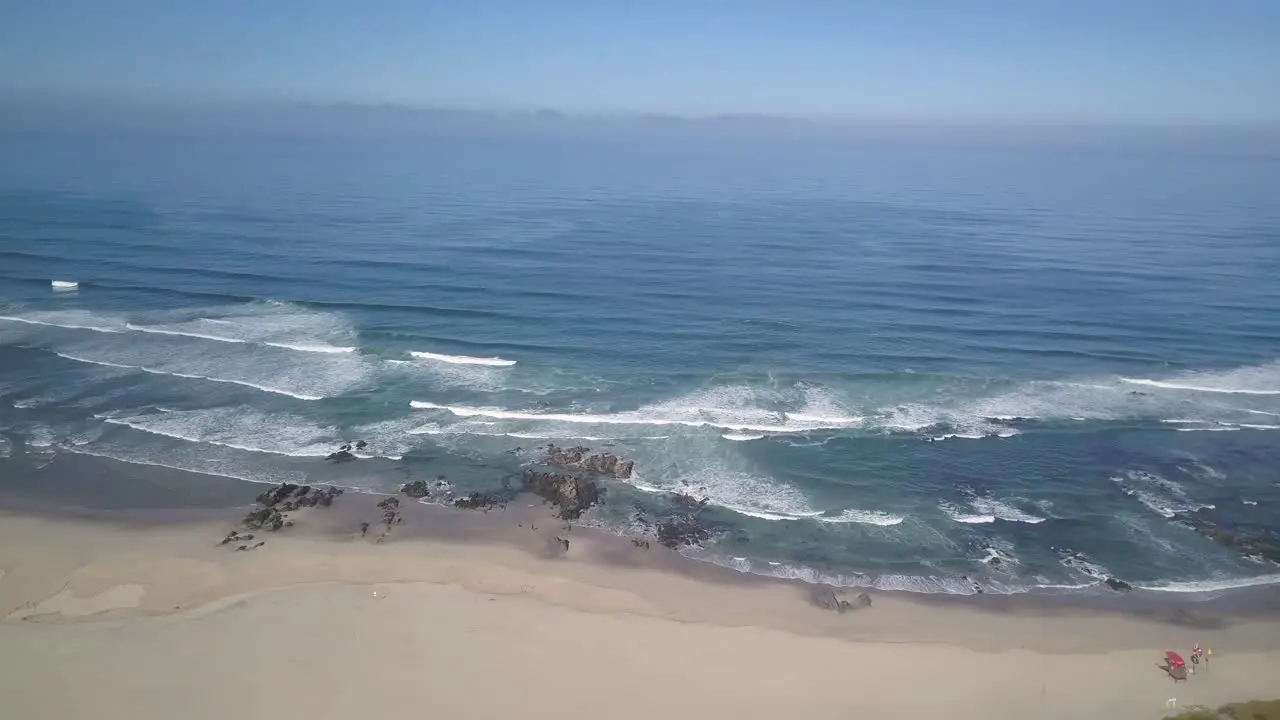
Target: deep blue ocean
{"points": [[909, 368]]}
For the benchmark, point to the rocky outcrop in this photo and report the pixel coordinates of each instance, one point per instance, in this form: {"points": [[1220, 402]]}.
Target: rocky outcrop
{"points": [[275, 503], [581, 458], [1118, 585], [826, 598], [1250, 539], [416, 489], [683, 529], [572, 495], [483, 501], [341, 456]]}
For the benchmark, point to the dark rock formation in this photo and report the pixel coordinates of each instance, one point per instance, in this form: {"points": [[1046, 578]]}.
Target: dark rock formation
{"points": [[390, 508], [581, 458], [343, 455], [683, 529], [640, 543], [360, 444], [416, 489], [267, 518], [485, 501], [827, 599], [274, 503], [1258, 540], [277, 494], [688, 501], [1118, 585], [571, 495]]}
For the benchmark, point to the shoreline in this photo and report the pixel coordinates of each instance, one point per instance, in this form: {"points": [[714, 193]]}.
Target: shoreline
{"points": [[150, 613], [221, 502], [161, 493]]}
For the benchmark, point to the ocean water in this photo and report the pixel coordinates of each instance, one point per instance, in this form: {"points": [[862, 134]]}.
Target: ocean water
{"points": [[934, 370]]}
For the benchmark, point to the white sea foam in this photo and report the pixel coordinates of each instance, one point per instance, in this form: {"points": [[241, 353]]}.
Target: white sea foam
{"points": [[726, 408], [735, 489], [984, 510], [1003, 510], [1213, 585], [864, 517], [69, 320], [1160, 494], [462, 359], [240, 428], [192, 376], [742, 437], [1252, 380], [182, 333], [313, 347], [64, 284]]}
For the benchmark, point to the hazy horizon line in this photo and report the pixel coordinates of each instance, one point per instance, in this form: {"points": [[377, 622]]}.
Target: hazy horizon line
{"points": [[52, 100]]}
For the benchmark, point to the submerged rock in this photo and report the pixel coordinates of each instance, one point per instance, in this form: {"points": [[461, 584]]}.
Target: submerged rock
{"points": [[341, 456], [1253, 540]]}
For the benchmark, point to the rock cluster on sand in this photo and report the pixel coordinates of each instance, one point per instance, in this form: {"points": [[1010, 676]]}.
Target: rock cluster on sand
{"points": [[827, 599], [417, 489], [581, 458], [571, 494], [272, 507]]}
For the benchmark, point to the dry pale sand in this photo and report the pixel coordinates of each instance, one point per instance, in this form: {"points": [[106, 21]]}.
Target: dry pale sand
{"points": [[110, 620]]}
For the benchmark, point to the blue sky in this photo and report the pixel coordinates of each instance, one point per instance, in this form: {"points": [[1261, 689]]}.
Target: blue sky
{"points": [[1083, 60]]}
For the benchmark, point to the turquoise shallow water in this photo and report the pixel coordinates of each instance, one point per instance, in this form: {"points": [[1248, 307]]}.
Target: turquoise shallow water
{"points": [[911, 369]]}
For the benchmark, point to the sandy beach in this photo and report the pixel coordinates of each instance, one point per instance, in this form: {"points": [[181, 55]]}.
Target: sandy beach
{"points": [[145, 615]]}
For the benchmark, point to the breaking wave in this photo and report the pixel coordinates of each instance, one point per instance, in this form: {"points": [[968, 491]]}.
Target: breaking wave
{"points": [[462, 359]]}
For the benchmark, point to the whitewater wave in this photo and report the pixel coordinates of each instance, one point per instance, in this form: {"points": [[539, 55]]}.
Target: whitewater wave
{"points": [[299, 346], [462, 359], [52, 320], [742, 437], [192, 376], [313, 347], [983, 510], [863, 517], [1253, 380], [1212, 585], [64, 284], [1197, 388], [1161, 495], [737, 420]]}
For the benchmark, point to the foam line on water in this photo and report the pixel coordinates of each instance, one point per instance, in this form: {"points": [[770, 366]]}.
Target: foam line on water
{"points": [[64, 284], [637, 417], [182, 333], [863, 517], [1164, 385], [65, 325], [462, 359], [192, 376], [1212, 585]]}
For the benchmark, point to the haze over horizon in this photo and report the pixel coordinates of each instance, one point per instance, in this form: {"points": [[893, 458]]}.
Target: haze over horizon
{"points": [[1089, 62]]}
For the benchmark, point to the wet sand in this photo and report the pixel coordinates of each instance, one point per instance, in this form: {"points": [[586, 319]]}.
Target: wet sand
{"points": [[140, 613]]}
